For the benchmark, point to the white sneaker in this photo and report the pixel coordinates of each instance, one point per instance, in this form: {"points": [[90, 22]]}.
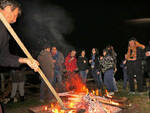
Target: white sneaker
{"points": [[111, 93], [15, 100], [131, 93]]}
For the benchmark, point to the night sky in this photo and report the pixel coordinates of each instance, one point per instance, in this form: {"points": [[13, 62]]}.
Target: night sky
{"points": [[93, 24]]}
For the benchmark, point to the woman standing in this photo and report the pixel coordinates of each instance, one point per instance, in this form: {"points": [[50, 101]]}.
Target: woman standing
{"points": [[94, 61], [82, 63]]}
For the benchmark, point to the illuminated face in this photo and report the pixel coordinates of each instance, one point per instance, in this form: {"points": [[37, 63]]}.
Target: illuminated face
{"points": [[132, 43], [104, 53], [48, 49], [11, 16], [93, 51], [54, 50], [83, 53], [73, 53]]}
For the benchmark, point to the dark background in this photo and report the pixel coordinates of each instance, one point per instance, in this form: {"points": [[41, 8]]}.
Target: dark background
{"points": [[80, 25]]}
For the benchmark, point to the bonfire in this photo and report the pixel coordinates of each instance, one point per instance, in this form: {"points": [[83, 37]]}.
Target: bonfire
{"points": [[81, 100]]}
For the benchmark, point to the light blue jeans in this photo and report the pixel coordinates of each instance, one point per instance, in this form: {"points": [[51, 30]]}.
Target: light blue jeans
{"points": [[83, 76]]}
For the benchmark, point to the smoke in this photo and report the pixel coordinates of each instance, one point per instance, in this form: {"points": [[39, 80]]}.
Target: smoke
{"points": [[44, 23]]}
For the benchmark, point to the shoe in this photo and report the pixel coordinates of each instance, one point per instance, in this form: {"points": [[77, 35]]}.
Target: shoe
{"points": [[116, 91], [131, 93], [111, 93], [42, 101], [15, 100], [8, 100]]}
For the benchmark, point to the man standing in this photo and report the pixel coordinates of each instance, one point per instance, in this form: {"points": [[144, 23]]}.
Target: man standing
{"points": [[134, 64], [58, 59], [47, 65], [10, 9], [148, 61]]}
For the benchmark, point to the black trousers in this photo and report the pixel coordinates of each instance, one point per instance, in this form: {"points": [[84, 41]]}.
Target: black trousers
{"points": [[135, 68]]}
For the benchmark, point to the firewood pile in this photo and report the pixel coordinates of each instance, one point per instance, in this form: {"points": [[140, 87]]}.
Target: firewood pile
{"points": [[84, 103]]}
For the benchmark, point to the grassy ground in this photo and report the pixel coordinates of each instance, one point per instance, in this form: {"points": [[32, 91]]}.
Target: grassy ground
{"points": [[139, 102]]}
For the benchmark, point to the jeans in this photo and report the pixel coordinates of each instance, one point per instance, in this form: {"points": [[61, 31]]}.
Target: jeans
{"points": [[114, 84], [125, 78], [97, 78], [57, 76], [83, 76], [109, 80]]}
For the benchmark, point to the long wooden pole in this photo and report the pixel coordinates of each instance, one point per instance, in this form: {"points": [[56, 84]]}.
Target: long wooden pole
{"points": [[14, 35]]}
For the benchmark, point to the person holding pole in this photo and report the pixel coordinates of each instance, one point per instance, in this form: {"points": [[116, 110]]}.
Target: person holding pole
{"points": [[10, 9]]}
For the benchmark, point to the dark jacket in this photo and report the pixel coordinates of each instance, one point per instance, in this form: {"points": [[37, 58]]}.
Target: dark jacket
{"points": [[17, 76], [46, 62], [6, 59], [82, 63], [140, 54], [147, 58]]}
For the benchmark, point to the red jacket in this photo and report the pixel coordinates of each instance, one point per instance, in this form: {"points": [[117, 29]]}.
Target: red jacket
{"points": [[71, 65]]}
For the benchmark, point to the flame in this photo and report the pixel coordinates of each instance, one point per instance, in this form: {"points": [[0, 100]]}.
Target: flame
{"points": [[107, 94], [46, 108], [75, 83], [97, 92]]}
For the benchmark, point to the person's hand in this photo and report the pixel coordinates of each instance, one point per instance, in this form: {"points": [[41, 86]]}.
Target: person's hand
{"points": [[76, 69], [147, 53], [115, 70], [84, 61], [87, 71], [98, 73], [54, 61], [32, 63], [90, 61], [124, 62], [101, 57]]}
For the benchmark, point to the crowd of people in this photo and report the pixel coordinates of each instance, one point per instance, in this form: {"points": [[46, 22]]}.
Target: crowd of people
{"points": [[101, 67]]}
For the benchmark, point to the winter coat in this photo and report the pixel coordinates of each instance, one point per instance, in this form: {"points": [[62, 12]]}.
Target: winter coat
{"points": [[71, 65], [147, 58], [107, 63], [46, 63], [6, 59], [82, 63]]}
